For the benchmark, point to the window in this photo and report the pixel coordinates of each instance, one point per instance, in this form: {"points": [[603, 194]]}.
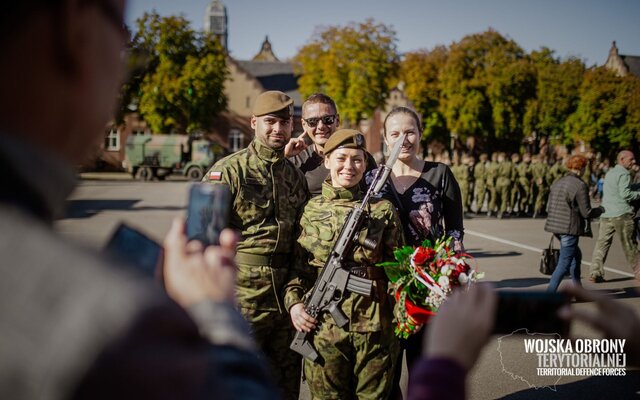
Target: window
{"points": [[235, 140], [112, 141], [137, 132]]}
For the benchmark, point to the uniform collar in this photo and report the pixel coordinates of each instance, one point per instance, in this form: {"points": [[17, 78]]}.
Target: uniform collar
{"points": [[332, 193], [266, 153]]}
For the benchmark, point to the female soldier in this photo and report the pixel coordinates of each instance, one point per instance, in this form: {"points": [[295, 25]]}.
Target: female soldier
{"points": [[358, 360]]}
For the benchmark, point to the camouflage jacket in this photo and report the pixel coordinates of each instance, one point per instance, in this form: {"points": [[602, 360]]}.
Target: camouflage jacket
{"points": [[321, 223], [480, 172], [492, 173], [506, 173], [268, 193], [539, 172], [523, 171]]}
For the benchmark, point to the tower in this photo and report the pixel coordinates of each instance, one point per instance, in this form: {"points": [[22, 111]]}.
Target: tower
{"points": [[215, 21]]}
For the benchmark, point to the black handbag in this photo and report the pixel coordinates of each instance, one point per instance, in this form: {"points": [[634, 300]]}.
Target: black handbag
{"points": [[549, 259]]}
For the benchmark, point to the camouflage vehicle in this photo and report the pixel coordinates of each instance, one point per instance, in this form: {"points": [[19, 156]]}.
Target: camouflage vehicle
{"points": [[157, 156]]}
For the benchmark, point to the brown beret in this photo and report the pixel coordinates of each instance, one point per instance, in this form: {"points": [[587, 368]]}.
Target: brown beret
{"points": [[349, 138], [273, 102]]}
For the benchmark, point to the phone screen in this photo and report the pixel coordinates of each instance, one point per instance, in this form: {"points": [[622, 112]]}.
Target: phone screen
{"points": [[207, 212], [537, 311], [128, 245]]}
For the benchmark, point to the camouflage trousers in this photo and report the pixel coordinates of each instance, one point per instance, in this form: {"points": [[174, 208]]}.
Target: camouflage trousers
{"points": [[502, 193], [541, 193], [356, 365], [273, 333], [481, 190], [520, 193], [624, 225], [464, 194]]}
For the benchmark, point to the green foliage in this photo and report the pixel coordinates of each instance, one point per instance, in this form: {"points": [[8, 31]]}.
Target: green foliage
{"points": [[178, 75], [607, 113], [487, 82], [353, 64], [420, 72], [557, 95]]}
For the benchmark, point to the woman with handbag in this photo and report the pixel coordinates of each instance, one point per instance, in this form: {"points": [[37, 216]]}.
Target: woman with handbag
{"points": [[569, 213]]}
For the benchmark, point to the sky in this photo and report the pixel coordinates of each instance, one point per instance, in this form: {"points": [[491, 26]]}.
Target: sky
{"points": [[572, 28]]}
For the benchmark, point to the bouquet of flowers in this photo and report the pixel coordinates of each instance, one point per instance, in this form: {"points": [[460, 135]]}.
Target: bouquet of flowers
{"points": [[422, 278]]}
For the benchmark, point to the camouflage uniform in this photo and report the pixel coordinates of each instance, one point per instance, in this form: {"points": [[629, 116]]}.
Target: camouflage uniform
{"points": [[521, 192], [268, 194], [557, 171], [461, 173], [358, 360], [506, 172], [540, 186], [492, 178], [480, 175]]}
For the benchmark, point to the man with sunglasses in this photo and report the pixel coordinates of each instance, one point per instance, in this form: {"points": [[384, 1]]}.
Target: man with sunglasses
{"points": [[72, 324], [320, 119]]}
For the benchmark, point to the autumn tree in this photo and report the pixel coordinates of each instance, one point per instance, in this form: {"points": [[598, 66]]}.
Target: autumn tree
{"points": [[353, 64], [420, 73], [557, 94], [608, 112], [178, 75], [487, 81]]}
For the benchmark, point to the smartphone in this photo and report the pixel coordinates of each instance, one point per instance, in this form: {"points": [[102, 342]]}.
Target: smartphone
{"points": [[207, 212], [537, 311], [130, 246]]}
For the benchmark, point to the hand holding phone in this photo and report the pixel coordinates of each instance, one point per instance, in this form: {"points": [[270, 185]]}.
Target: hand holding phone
{"points": [[536, 311], [130, 246], [207, 212]]}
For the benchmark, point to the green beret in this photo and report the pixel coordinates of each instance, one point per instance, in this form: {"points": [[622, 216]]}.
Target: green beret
{"points": [[273, 102], [349, 138]]}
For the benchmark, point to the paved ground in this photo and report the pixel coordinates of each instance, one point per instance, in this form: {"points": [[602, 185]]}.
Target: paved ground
{"points": [[508, 251]]}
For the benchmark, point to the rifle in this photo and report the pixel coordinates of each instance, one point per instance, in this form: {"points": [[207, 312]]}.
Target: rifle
{"points": [[328, 291]]}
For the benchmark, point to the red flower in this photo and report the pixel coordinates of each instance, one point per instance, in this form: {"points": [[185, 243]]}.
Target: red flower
{"points": [[423, 255]]}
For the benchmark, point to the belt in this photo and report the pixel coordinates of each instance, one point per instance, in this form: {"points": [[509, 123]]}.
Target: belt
{"points": [[372, 273], [273, 260]]}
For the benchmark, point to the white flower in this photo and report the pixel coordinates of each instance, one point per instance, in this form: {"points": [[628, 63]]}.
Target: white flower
{"points": [[463, 278], [446, 270], [443, 281]]}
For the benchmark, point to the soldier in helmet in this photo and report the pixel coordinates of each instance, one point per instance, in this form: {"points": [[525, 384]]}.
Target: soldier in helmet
{"points": [[268, 194], [358, 360]]}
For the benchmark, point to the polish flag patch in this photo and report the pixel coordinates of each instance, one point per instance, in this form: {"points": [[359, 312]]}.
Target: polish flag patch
{"points": [[215, 175]]}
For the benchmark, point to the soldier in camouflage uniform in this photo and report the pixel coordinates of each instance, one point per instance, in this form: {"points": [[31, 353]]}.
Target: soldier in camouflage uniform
{"points": [[460, 171], [480, 176], [522, 184], [492, 178], [268, 194], [540, 186], [506, 172], [557, 171], [469, 164], [358, 360]]}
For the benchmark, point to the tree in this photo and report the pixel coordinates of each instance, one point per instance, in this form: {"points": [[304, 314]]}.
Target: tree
{"points": [[178, 75], [486, 84], [607, 113], [353, 64], [557, 94], [420, 72]]}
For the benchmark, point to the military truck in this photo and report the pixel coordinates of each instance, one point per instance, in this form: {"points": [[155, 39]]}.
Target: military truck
{"points": [[150, 157]]}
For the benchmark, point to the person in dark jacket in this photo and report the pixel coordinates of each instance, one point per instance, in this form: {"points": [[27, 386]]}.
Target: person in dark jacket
{"points": [[569, 212]]}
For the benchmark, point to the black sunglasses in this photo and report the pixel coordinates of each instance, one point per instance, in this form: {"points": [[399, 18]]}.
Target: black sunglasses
{"points": [[327, 120]]}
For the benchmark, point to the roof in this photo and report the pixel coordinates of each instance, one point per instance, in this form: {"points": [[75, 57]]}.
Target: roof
{"points": [[633, 63], [274, 75]]}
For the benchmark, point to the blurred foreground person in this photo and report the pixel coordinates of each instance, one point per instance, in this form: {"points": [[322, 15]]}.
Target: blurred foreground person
{"points": [[73, 326], [453, 343]]}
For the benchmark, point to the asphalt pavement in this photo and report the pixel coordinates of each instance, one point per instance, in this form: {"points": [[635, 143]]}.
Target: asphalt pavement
{"points": [[507, 250]]}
